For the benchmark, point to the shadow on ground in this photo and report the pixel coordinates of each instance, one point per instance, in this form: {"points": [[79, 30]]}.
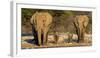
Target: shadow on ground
{"points": [[32, 41]]}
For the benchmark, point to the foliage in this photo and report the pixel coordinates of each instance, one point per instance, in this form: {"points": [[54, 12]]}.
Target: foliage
{"points": [[62, 19]]}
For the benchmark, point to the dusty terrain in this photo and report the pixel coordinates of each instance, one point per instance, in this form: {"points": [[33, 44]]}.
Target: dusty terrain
{"points": [[62, 42]]}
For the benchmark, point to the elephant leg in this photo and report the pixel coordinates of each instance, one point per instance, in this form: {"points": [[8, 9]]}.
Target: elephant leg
{"points": [[81, 39], [39, 37], [69, 38], [78, 34], [45, 36], [82, 36]]}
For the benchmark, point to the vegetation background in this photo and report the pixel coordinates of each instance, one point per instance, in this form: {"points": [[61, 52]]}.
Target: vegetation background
{"points": [[62, 20]]}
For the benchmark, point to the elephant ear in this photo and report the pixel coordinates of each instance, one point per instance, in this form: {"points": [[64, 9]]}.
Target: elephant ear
{"points": [[48, 18], [76, 21], [33, 19], [86, 22]]}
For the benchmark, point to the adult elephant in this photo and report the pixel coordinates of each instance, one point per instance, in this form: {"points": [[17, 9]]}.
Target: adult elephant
{"points": [[41, 22], [81, 22]]}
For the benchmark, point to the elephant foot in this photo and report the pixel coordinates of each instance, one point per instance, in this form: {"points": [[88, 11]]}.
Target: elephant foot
{"points": [[44, 43], [81, 41], [39, 44]]}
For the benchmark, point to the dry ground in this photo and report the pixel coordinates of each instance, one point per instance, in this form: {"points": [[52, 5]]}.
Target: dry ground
{"points": [[50, 44]]}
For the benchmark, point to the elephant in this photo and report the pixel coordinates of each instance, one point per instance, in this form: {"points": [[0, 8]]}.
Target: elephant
{"points": [[41, 21], [81, 22], [70, 37]]}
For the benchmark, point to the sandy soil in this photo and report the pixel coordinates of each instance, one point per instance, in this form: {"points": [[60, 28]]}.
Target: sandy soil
{"points": [[61, 42]]}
